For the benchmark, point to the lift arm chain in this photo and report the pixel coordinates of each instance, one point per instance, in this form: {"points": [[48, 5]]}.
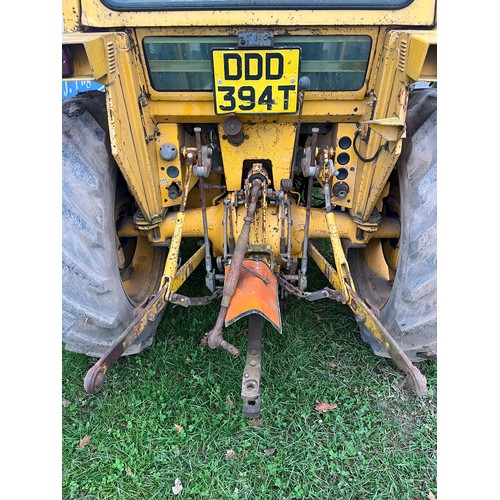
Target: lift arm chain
{"points": [[182, 300], [325, 293]]}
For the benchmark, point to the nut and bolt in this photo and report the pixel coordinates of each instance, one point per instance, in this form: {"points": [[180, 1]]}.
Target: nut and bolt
{"points": [[361, 317]]}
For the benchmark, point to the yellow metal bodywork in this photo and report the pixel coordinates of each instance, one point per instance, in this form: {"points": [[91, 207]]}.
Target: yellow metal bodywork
{"points": [[192, 227], [346, 130], [88, 55], [71, 11], [136, 129], [108, 48], [422, 60], [131, 125], [418, 13], [271, 141]]}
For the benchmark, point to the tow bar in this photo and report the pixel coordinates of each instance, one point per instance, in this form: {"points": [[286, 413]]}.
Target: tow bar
{"points": [[250, 385]]}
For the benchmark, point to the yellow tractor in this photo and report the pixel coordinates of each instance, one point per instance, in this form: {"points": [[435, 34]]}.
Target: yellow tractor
{"points": [[256, 128]]}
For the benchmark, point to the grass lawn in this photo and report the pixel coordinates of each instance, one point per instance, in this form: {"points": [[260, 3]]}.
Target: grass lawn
{"points": [[174, 411]]}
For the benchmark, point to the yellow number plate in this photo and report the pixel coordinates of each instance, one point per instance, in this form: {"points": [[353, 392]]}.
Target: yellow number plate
{"points": [[256, 81]]}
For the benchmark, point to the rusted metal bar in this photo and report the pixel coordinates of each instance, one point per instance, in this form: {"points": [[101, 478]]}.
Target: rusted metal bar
{"points": [[149, 310], [297, 133], [303, 265], [250, 385], [201, 181], [184, 301], [96, 375], [414, 378], [214, 337], [231, 230]]}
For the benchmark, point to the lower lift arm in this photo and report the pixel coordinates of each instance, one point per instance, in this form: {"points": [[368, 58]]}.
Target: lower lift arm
{"points": [[414, 379], [152, 306]]}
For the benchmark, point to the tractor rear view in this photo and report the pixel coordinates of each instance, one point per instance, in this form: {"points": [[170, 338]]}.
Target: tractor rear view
{"points": [[258, 133]]}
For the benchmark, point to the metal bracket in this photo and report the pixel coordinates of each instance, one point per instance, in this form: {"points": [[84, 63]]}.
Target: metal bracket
{"points": [[325, 293], [182, 300], [391, 129], [307, 164], [204, 160], [252, 39]]}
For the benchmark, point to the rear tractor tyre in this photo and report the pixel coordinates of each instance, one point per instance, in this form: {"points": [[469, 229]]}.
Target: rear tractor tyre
{"points": [[104, 277], [398, 278]]}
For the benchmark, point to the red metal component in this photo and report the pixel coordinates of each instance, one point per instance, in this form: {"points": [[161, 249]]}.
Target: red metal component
{"points": [[255, 293]]}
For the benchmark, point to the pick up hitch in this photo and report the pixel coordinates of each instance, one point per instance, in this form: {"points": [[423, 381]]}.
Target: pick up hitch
{"points": [[250, 385]]}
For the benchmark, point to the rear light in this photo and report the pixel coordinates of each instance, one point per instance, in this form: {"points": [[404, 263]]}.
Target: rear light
{"points": [[67, 62]]}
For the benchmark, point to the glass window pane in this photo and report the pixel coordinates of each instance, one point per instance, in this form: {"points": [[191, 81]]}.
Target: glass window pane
{"points": [[142, 5], [333, 63]]}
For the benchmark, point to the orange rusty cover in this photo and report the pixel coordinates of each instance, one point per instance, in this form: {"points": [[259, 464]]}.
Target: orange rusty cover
{"points": [[256, 293]]}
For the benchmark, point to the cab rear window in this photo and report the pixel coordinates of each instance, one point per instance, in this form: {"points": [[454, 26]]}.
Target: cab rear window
{"points": [[332, 63], [159, 5]]}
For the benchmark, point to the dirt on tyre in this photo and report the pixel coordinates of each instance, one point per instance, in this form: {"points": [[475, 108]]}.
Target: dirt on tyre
{"points": [[398, 277], [103, 277]]}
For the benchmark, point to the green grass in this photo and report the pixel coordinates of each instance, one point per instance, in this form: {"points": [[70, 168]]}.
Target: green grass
{"points": [[378, 443]]}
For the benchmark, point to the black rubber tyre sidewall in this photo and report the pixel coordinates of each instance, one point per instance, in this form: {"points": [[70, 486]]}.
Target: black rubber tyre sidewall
{"points": [[410, 313], [95, 308]]}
